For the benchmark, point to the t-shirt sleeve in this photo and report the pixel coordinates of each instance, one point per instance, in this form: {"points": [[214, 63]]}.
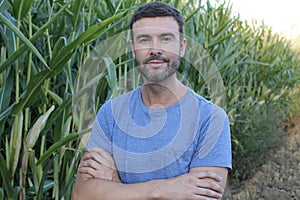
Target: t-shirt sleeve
{"points": [[213, 148], [102, 129]]}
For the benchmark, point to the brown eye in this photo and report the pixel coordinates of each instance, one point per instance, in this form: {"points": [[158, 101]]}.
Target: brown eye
{"points": [[166, 39], [144, 40]]}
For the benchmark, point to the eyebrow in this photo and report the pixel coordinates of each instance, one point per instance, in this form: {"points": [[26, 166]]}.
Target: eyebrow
{"points": [[161, 35], [167, 34], [143, 36]]}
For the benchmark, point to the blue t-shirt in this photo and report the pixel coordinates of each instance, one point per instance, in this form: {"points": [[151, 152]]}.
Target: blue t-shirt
{"points": [[149, 144]]}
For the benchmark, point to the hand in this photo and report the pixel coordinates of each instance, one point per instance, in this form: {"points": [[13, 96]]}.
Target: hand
{"points": [[193, 185], [97, 163]]}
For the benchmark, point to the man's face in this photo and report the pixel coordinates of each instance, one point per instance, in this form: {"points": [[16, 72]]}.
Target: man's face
{"points": [[157, 47]]}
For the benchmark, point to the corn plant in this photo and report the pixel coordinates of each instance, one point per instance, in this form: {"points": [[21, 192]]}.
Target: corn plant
{"points": [[43, 47], [260, 71]]}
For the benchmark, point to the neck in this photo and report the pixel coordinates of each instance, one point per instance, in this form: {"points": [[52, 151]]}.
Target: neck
{"points": [[163, 94]]}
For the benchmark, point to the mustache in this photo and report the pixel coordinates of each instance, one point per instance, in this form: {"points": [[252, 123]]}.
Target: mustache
{"points": [[156, 57]]}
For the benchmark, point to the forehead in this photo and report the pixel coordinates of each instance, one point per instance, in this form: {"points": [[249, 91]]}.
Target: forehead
{"points": [[153, 25]]}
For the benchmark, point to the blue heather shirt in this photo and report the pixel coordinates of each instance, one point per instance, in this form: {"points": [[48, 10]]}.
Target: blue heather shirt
{"points": [[149, 144]]}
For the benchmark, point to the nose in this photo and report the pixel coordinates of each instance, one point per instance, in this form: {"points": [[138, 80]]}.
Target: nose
{"points": [[155, 48], [155, 51]]}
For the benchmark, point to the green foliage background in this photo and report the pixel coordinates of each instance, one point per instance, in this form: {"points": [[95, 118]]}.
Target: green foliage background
{"points": [[43, 45]]}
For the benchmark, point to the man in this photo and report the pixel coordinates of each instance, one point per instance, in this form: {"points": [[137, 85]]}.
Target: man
{"points": [[160, 141]]}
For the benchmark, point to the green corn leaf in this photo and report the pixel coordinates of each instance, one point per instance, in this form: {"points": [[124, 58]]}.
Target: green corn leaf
{"points": [[26, 7], [112, 74], [15, 142], [55, 97], [36, 129], [60, 61], [99, 13], [56, 176], [4, 5], [60, 43], [110, 7], [105, 23], [16, 7], [71, 169], [36, 170], [42, 97], [1, 194], [176, 3], [5, 95], [58, 112], [34, 38], [192, 14], [32, 90], [6, 90], [23, 38], [44, 184], [8, 37], [76, 10], [89, 35], [6, 179], [22, 7], [59, 144]]}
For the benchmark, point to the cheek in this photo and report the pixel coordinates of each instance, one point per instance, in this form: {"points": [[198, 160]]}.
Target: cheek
{"points": [[173, 55], [140, 54], [173, 50]]}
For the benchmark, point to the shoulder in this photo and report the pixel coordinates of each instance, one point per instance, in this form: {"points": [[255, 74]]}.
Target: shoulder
{"points": [[131, 94], [123, 100], [119, 102], [207, 106]]}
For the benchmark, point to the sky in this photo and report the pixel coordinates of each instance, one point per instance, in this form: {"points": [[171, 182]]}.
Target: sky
{"points": [[282, 15]]}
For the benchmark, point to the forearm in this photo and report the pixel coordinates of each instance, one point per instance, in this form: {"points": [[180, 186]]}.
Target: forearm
{"points": [[97, 178], [187, 186], [221, 171], [108, 190]]}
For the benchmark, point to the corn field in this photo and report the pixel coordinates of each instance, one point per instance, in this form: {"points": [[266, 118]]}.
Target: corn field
{"points": [[44, 44]]}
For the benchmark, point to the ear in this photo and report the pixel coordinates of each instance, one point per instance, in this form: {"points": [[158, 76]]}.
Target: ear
{"points": [[182, 47], [132, 48]]}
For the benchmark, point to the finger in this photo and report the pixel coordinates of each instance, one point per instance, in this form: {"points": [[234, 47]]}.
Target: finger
{"points": [[206, 174], [210, 185], [97, 173], [83, 176], [106, 158], [90, 163], [98, 158], [208, 190], [208, 194], [86, 170], [104, 153]]}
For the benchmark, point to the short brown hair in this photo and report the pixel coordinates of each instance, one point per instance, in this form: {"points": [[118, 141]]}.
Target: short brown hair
{"points": [[158, 9]]}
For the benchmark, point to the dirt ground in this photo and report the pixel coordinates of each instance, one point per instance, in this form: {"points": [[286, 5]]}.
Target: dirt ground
{"points": [[279, 177]]}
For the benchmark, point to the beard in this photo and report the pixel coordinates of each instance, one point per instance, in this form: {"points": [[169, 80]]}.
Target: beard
{"points": [[157, 75]]}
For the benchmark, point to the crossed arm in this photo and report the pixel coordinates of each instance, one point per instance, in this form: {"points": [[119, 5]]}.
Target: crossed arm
{"points": [[97, 178]]}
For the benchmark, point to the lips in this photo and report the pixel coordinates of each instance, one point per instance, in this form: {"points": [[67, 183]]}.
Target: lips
{"points": [[156, 63], [156, 60]]}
